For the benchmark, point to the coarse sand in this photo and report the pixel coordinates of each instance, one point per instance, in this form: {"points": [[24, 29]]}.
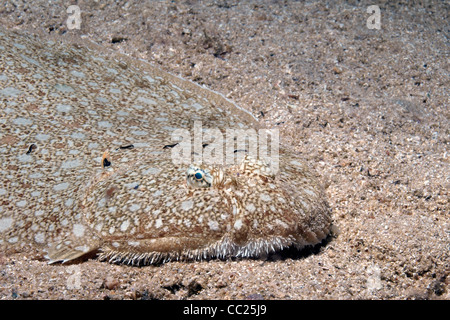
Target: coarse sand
{"points": [[369, 108]]}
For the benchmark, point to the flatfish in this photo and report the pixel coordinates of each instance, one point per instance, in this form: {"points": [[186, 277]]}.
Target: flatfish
{"points": [[109, 156]]}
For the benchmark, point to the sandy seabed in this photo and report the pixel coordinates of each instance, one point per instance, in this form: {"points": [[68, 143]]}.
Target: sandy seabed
{"points": [[368, 107]]}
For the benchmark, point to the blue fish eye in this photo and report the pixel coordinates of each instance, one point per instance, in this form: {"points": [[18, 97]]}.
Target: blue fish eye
{"points": [[198, 175]]}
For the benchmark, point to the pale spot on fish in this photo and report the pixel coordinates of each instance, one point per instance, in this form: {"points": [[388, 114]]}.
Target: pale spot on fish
{"points": [[39, 237], [22, 121], [250, 207], [296, 163], [238, 224], [68, 202], [42, 137], [71, 164], [77, 74], [13, 240], [21, 203], [158, 223], [63, 108], [146, 100], [61, 186], [78, 230], [213, 225], [135, 207], [124, 226], [105, 124], [10, 91], [6, 223], [63, 88], [133, 243], [38, 213], [82, 248], [139, 132], [187, 205], [281, 223], [311, 193], [265, 197]]}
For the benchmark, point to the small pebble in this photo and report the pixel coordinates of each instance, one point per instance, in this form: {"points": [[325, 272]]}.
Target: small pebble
{"points": [[110, 283]]}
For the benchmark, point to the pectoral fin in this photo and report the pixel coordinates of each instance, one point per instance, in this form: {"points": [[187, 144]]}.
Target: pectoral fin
{"points": [[67, 251]]}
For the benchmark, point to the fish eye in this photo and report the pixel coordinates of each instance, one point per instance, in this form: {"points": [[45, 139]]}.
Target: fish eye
{"points": [[198, 178], [198, 175]]}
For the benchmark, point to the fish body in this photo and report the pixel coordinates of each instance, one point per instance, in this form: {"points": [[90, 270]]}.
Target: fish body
{"points": [[89, 164]]}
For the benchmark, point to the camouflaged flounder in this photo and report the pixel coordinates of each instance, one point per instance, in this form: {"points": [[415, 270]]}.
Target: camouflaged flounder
{"points": [[64, 104]]}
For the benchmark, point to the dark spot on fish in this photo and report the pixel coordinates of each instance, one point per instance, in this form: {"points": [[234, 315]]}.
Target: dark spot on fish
{"points": [[169, 146], [135, 187], [31, 148], [240, 150], [130, 146], [106, 162]]}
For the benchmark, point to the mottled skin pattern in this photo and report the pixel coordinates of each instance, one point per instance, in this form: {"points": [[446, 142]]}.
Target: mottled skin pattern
{"points": [[63, 105]]}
